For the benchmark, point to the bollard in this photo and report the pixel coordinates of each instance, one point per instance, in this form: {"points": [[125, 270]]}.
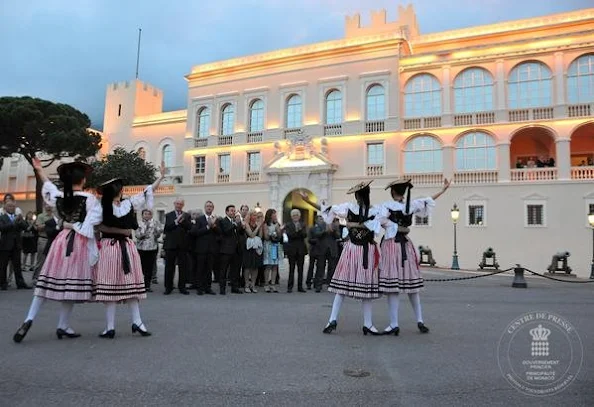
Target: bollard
{"points": [[519, 281]]}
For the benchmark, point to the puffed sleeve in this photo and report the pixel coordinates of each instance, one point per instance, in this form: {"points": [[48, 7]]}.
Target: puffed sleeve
{"points": [[50, 193], [374, 224], [93, 218], [144, 199], [329, 212], [422, 207]]}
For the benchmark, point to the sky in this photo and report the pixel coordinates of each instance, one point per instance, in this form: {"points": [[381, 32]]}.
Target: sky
{"points": [[69, 50]]}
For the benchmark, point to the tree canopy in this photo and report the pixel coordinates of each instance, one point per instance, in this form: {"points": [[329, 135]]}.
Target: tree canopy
{"points": [[122, 164]]}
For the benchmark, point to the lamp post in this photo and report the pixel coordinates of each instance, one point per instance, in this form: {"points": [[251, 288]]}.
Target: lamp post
{"points": [[455, 213], [591, 222]]}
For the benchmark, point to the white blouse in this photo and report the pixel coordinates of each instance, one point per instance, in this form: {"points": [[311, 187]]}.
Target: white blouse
{"points": [[421, 207], [342, 211]]}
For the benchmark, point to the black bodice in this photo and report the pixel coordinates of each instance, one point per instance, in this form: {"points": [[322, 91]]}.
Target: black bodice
{"points": [[77, 213], [399, 218], [127, 221], [356, 235]]}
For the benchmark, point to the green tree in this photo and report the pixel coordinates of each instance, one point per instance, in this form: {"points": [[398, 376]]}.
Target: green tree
{"points": [[35, 127], [124, 164]]}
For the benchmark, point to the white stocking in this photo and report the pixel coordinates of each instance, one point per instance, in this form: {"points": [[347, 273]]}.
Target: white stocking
{"points": [[338, 298], [110, 311], [34, 308], [135, 309], [393, 302], [367, 314], [64, 321], [415, 301]]}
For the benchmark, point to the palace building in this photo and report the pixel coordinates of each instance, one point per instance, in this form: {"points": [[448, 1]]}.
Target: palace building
{"points": [[506, 110]]}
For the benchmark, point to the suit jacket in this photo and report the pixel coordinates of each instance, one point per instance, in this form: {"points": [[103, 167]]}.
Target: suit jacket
{"points": [[10, 233], [296, 245], [230, 234], [206, 240], [51, 233], [176, 236], [327, 241]]}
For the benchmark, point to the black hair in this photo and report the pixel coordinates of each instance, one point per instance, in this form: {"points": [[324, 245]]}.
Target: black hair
{"points": [[363, 195], [109, 192], [69, 178], [8, 196], [229, 207], [401, 190], [268, 216], [146, 210]]}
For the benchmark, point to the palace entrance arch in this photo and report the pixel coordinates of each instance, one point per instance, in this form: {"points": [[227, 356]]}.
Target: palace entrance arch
{"points": [[293, 200]]}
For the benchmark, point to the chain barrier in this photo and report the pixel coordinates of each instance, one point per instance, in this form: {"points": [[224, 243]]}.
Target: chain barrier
{"points": [[469, 277], [558, 279]]}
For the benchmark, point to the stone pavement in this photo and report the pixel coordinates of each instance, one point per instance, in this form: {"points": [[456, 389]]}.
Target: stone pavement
{"points": [[268, 350]]}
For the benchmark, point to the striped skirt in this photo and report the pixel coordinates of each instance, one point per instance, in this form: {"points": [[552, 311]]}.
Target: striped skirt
{"points": [[66, 278], [350, 278], [393, 278], [111, 283]]}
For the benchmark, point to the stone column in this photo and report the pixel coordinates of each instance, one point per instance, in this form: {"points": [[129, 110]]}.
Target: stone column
{"points": [[503, 161], [500, 102], [446, 111], [559, 76], [563, 159], [448, 152]]}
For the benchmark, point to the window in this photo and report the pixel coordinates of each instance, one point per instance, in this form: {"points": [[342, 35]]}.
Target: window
{"points": [[227, 120], [257, 115], [580, 80], [421, 221], [199, 165], [203, 122], [141, 153], [476, 215], [530, 85], [473, 91], [376, 104], [224, 164], [334, 107], [475, 151], [422, 96], [534, 215], [375, 154], [12, 184], [294, 112], [423, 154], [161, 216], [254, 162], [167, 155], [590, 208]]}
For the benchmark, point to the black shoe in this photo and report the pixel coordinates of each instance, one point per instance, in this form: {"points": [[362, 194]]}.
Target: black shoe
{"points": [[422, 328], [60, 333], [236, 291], [200, 292], [301, 290], [210, 292], [392, 331], [22, 332], [330, 327], [168, 291], [136, 328], [289, 290], [184, 291], [23, 287], [4, 287], [108, 334], [309, 286], [369, 331], [222, 291], [318, 290], [149, 290]]}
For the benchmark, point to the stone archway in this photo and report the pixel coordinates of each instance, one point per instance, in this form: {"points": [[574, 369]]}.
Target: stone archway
{"points": [[293, 200]]}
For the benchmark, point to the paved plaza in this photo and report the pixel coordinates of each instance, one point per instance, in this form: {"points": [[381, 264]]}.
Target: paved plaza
{"points": [[268, 350]]}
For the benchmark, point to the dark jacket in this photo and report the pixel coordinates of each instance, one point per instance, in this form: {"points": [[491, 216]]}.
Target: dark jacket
{"points": [[327, 241], [230, 236], [51, 232], [296, 245], [206, 241], [176, 236], [10, 233]]}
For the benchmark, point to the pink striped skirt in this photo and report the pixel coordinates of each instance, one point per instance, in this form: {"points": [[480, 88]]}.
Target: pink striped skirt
{"points": [[111, 283], [350, 278], [393, 278], [66, 278]]}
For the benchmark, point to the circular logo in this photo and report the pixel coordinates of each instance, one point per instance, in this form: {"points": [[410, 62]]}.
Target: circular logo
{"points": [[540, 353]]}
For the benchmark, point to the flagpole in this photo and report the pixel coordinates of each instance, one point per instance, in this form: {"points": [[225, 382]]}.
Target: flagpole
{"points": [[138, 52]]}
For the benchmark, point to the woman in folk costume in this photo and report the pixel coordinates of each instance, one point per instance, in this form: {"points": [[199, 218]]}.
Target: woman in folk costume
{"points": [[66, 275], [356, 273], [118, 276], [399, 265]]}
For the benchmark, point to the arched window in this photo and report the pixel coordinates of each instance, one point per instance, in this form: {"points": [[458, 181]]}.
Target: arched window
{"points": [[294, 112], [423, 154], [530, 85], [376, 103], [141, 153], [334, 107], [167, 155], [203, 122], [257, 115], [422, 96], [475, 151], [580, 80], [227, 120], [473, 91]]}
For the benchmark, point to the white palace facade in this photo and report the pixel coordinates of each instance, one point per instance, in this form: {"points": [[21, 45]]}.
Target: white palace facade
{"points": [[505, 110]]}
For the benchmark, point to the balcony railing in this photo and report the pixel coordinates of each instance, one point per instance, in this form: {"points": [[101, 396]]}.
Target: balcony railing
{"points": [[222, 178], [580, 110], [253, 176], [476, 177], [375, 170], [422, 123], [469, 119], [137, 189], [292, 132], [524, 115], [432, 178], [533, 174], [582, 173], [199, 179], [332, 129], [200, 142], [254, 137], [375, 126], [225, 140]]}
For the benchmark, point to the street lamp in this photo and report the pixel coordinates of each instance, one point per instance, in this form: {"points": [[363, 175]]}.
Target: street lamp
{"points": [[591, 222], [455, 213]]}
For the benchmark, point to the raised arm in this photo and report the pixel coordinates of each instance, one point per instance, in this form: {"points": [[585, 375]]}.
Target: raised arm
{"points": [[309, 201], [446, 185], [38, 168]]}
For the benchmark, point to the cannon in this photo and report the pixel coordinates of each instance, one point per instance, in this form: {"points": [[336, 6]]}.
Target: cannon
{"points": [[560, 257], [426, 256], [489, 254]]}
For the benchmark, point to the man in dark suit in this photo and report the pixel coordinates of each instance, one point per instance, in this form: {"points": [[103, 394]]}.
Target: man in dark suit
{"points": [[231, 228], [205, 251], [326, 250], [11, 228], [295, 249], [177, 225], [313, 254]]}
